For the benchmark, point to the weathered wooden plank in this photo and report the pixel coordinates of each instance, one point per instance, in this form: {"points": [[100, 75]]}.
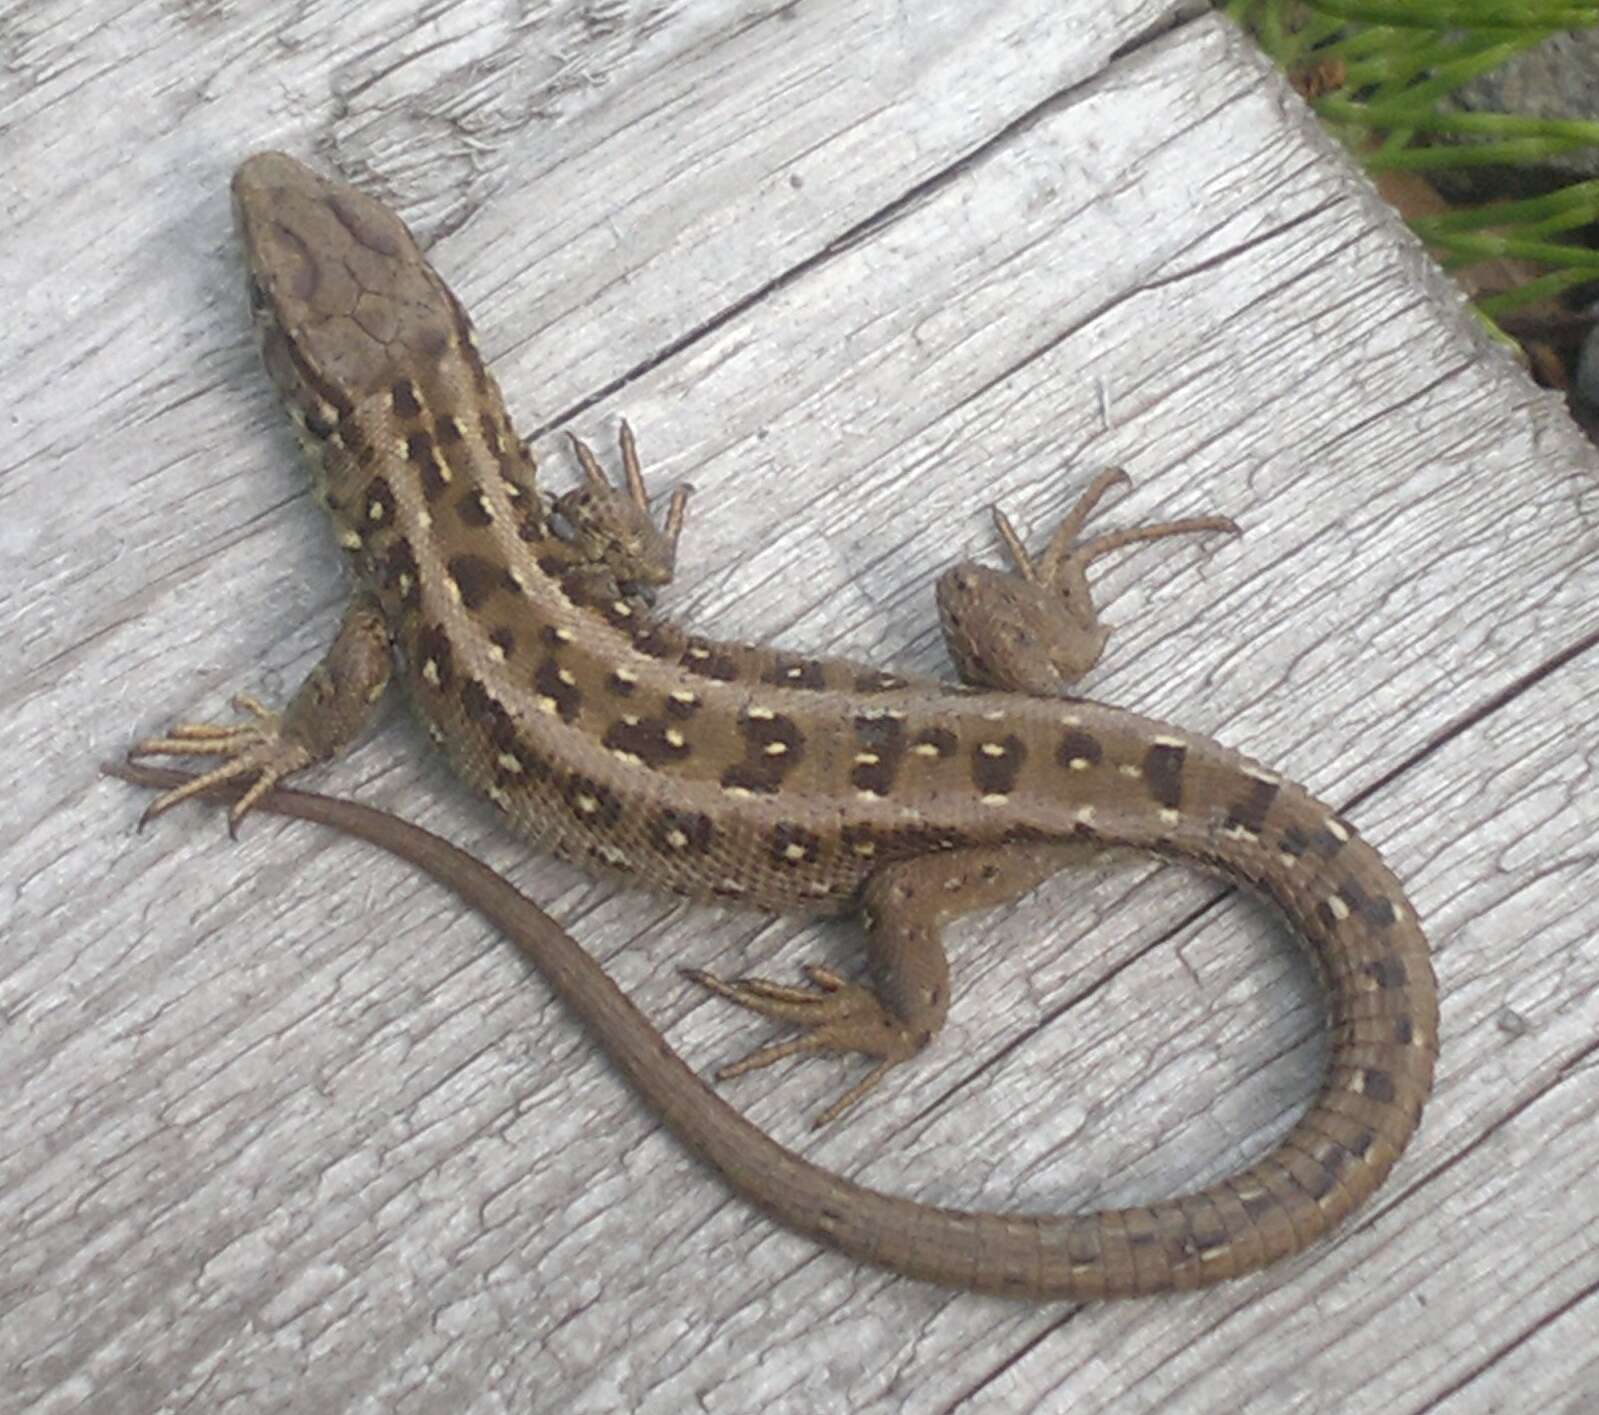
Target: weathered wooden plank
{"points": [[284, 1129]]}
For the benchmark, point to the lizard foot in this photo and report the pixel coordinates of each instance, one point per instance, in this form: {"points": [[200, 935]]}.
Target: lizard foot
{"points": [[255, 749], [612, 525], [1034, 629], [326, 713], [837, 1015]]}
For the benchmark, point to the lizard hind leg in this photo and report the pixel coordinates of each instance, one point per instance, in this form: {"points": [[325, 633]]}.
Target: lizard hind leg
{"points": [[905, 907], [1034, 629]]}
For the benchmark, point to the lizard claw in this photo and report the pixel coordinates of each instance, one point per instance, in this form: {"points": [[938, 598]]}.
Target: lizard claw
{"points": [[1033, 629], [612, 525], [834, 1014], [256, 749], [325, 713]]}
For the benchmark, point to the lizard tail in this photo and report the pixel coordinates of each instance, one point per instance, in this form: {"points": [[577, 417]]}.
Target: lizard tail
{"points": [[1384, 1043]]}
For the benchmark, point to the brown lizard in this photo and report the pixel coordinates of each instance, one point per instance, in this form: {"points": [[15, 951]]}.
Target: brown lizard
{"points": [[527, 640]]}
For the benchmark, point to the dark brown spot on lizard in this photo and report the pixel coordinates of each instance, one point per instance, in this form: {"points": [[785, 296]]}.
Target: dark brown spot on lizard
{"points": [[406, 404], [1327, 843], [476, 578], [527, 511], [773, 746], [1375, 913], [349, 435], [588, 587], [861, 841], [1208, 1234], [935, 742], [1386, 972], [483, 708], [473, 509], [649, 739], [433, 658], [1293, 841], [424, 459], [432, 342], [1360, 1143], [792, 846], [620, 613], [1257, 1203], [1078, 746], [879, 749], [553, 683], [704, 660], [399, 573], [1323, 1178], [1377, 1084], [366, 227], [1248, 812], [996, 765], [594, 804], [1163, 774], [658, 640], [517, 762], [676, 832], [789, 672], [504, 640], [318, 423], [379, 504]]}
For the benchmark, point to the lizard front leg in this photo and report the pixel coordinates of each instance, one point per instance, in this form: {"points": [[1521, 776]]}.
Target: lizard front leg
{"points": [[1033, 630], [328, 712], [612, 536]]}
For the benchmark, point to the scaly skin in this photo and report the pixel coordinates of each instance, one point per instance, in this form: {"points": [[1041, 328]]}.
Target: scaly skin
{"points": [[719, 770]]}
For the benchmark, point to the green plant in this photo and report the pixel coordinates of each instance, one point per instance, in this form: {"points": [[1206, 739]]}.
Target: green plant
{"points": [[1382, 70]]}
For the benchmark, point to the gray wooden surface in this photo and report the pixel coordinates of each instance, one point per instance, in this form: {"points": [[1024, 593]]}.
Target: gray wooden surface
{"points": [[279, 1128]]}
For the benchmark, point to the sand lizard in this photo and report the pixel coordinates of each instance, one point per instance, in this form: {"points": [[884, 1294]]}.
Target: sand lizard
{"points": [[525, 632]]}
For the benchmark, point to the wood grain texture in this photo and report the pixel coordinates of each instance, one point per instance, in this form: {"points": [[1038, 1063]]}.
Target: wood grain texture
{"points": [[280, 1128]]}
